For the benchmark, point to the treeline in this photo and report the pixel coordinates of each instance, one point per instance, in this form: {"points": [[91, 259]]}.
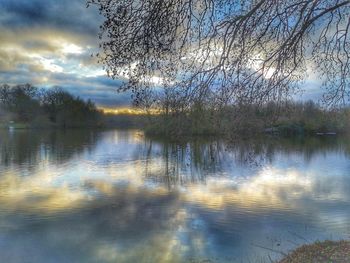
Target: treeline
{"points": [[310, 118], [288, 118], [41, 108], [32, 107]]}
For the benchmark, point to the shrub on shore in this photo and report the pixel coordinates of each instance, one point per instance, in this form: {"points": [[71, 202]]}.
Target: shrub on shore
{"points": [[288, 119]]}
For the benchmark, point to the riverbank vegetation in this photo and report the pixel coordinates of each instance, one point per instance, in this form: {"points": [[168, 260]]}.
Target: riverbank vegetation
{"points": [[287, 119], [321, 252], [25, 106]]}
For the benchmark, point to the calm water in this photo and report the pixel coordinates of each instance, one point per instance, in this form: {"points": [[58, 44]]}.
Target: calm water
{"points": [[117, 196]]}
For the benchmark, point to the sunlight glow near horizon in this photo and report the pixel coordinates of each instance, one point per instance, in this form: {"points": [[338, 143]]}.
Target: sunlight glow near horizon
{"points": [[128, 111]]}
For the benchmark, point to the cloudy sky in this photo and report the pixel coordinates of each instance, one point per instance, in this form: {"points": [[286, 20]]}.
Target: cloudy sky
{"points": [[49, 43]]}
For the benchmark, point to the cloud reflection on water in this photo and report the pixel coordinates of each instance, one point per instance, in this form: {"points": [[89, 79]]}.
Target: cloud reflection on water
{"points": [[109, 197]]}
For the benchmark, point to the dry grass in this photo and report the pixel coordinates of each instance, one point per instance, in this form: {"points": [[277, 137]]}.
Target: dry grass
{"points": [[320, 252]]}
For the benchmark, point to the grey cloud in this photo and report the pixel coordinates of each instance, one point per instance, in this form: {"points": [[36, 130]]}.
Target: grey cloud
{"points": [[38, 27], [32, 25], [102, 96], [67, 15], [101, 89]]}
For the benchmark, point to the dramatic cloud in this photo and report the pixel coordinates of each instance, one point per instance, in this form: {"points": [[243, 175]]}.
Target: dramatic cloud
{"points": [[49, 43], [66, 15]]}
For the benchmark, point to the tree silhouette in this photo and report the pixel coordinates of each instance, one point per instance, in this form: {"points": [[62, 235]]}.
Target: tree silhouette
{"points": [[54, 106], [21, 100], [227, 51]]}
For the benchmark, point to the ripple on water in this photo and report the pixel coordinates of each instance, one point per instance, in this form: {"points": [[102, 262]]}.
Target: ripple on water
{"points": [[115, 196]]}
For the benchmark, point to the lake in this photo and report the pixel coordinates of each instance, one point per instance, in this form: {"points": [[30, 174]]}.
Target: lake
{"points": [[118, 196]]}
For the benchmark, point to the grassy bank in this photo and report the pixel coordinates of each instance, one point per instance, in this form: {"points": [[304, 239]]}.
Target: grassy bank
{"points": [[320, 252]]}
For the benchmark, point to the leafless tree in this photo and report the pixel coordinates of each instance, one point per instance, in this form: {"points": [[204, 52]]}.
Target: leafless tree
{"points": [[226, 51]]}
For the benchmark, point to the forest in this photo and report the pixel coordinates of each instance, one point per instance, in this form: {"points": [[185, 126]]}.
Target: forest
{"points": [[26, 106]]}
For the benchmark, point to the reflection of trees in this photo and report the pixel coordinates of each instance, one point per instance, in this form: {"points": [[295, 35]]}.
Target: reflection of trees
{"points": [[183, 162], [29, 147], [192, 161], [308, 147], [264, 149]]}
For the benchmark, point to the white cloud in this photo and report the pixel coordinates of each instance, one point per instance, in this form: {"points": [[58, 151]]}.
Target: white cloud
{"points": [[70, 48]]}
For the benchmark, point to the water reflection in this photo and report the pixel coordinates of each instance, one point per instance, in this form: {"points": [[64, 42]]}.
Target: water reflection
{"points": [[30, 147], [197, 160], [118, 196]]}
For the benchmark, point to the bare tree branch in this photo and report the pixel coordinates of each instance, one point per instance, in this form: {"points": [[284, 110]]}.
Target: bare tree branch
{"points": [[226, 51]]}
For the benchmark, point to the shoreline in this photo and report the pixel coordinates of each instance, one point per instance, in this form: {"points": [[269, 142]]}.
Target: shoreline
{"points": [[320, 252]]}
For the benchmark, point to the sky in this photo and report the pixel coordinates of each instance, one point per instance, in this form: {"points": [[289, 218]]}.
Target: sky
{"points": [[49, 43]]}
